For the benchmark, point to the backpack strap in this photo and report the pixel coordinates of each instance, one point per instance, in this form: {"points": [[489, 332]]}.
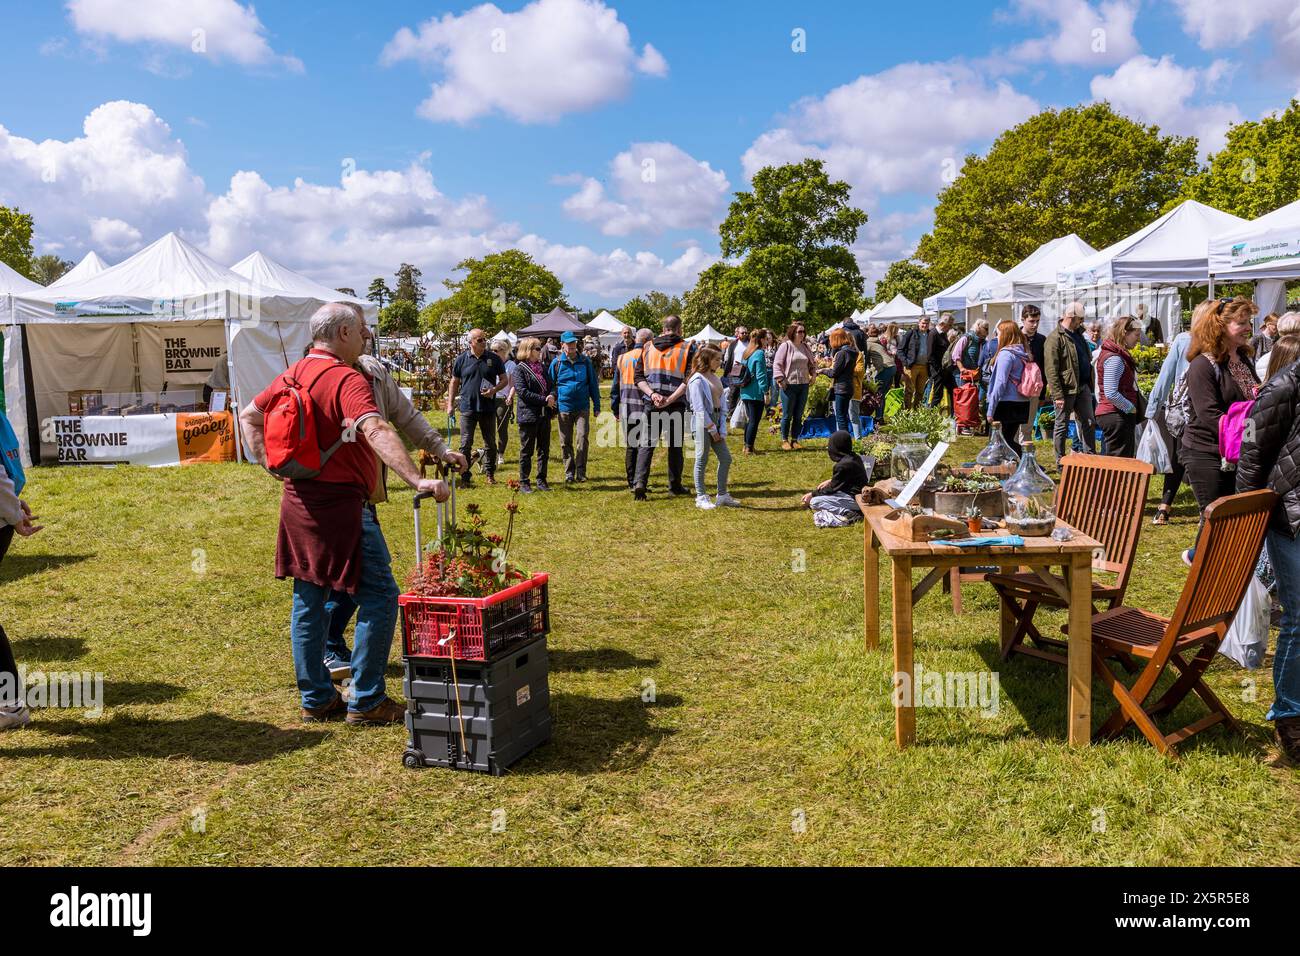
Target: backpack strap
{"points": [[326, 453]]}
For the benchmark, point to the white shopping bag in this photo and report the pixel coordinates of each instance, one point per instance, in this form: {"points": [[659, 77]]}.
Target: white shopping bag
{"points": [[740, 417], [1152, 450], [1247, 639]]}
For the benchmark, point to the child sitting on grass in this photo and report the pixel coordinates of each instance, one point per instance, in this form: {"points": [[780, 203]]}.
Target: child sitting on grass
{"points": [[833, 503]]}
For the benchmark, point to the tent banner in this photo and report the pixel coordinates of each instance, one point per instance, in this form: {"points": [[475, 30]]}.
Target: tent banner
{"points": [[153, 440], [1271, 247]]}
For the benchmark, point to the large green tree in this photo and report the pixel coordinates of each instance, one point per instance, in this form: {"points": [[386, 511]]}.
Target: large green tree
{"points": [[1086, 170], [909, 277], [16, 240], [500, 291], [408, 286], [705, 304], [792, 234], [399, 317], [638, 314], [49, 268], [379, 293], [1256, 171]]}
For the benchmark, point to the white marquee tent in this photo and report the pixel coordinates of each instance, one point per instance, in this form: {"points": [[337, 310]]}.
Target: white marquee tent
{"points": [[707, 334], [504, 336], [11, 364], [1031, 281], [897, 309], [90, 265], [1264, 248], [157, 323], [953, 299], [611, 329]]}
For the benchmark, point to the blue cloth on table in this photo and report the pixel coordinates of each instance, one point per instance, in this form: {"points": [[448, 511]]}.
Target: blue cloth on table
{"points": [[1010, 540]]}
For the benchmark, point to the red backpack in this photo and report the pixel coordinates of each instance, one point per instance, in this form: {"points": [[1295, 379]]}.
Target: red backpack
{"points": [[292, 449]]}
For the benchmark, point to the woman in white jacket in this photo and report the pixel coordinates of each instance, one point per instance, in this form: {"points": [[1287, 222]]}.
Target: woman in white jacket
{"points": [[705, 391], [15, 517]]}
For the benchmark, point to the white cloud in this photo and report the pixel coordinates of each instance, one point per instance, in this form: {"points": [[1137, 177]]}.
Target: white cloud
{"points": [[114, 236], [220, 29], [618, 274], [126, 168], [1161, 92], [885, 240], [1084, 33], [654, 186], [906, 128], [551, 58], [1217, 24]]}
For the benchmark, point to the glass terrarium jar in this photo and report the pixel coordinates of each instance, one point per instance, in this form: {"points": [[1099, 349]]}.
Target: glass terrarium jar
{"points": [[997, 458], [1029, 503], [909, 454]]}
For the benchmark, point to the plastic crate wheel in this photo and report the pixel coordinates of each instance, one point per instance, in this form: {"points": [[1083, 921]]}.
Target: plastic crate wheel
{"points": [[413, 760]]}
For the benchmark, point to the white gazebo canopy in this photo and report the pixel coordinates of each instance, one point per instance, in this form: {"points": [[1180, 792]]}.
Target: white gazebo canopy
{"points": [[606, 321], [89, 266], [953, 299], [1031, 281], [279, 281], [897, 309], [1170, 251], [1264, 248], [707, 334], [504, 336]]}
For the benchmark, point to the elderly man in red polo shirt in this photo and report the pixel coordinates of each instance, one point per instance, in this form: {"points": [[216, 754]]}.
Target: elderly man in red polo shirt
{"points": [[329, 536]]}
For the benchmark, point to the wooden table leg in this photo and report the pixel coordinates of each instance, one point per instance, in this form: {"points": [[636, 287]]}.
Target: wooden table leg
{"points": [[871, 589], [1080, 650], [904, 708]]}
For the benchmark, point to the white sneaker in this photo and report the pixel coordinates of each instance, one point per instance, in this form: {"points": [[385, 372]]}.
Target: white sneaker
{"points": [[703, 503], [726, 501], [12, 717]]}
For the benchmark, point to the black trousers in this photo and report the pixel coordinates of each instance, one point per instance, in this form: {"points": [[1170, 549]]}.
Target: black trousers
{"points": [[7, 664], [1209, 482], [1120, 432], [486, 422], [635, 435], [534, 436], [1010, 416], [670, 426], [1172, 479], [941, 384], [754, 411], [503, 426]]}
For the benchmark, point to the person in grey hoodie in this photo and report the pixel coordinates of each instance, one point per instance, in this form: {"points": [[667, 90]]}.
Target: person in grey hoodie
{"points": [[705, 391], [15, 518]]}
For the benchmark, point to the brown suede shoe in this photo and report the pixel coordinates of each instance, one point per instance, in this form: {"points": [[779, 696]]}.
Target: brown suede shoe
{"points": [[334, 710], [388, 711], [1288, 738]]}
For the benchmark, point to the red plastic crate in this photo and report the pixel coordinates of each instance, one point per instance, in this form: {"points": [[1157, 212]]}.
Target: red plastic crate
{"points": [[480, 628]]}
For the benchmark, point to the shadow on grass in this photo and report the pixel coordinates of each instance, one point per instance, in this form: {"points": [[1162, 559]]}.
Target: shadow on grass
{"points": [[600, 735], [117, 693], [599, 659], [20, 565], [209, 737], [47, 647]]}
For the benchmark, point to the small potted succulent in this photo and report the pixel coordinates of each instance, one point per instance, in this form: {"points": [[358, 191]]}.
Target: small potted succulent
{"points": [[974, 519]]}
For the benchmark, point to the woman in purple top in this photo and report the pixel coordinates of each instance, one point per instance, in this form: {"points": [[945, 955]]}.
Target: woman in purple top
{"points": [[1006, 404]]}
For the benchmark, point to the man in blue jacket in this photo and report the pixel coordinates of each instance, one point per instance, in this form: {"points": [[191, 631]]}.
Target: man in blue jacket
{"points": [[577, 392]]}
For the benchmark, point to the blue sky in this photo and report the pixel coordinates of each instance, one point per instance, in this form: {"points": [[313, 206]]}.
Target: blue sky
{"points": [[343, 138]]}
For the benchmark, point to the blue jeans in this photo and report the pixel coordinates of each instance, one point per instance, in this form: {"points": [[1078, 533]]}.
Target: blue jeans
{"points": [[793, 400], [855, 418], [703, 445], [841, 405], [376, 602], [1284, 553], [339, 609]]}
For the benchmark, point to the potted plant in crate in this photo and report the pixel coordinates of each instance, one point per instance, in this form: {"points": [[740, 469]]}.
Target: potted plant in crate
{"points": [[465, 599]]}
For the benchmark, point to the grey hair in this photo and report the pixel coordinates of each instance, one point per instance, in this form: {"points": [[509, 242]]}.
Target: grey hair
{"points": [[644, 335], [1076, 308], [981, 325], [331, 318], [1289, 323]]}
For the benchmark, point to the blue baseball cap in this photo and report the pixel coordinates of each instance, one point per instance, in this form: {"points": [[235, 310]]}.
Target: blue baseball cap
{"points": [[568, 337]]}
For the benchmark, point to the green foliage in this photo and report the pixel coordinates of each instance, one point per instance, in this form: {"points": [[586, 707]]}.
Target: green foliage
{"points": [[819, 397], [347, 291], [49, 268], [923, 420], [1256, 171], [648, 311], [911, 278], [1148, 358], [792, 232], [16, 240], [1085, 170], [500, 291], [379, 293], [399, 317], [408, 285], [705, 304]]}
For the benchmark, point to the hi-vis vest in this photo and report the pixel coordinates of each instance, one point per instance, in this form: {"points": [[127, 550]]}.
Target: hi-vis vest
{"points": [[665, 371], [629, 396]]}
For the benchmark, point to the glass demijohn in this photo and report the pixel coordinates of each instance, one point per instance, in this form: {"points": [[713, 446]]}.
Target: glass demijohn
{"points": [[1029, 498]]}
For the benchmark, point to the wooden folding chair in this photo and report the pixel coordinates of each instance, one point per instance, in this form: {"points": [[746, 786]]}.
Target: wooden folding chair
{"points": [[1226, 552], [1102, 497]]}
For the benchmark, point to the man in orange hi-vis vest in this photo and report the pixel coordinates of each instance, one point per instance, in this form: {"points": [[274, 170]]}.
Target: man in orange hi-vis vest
{"points": [[661, 378]]}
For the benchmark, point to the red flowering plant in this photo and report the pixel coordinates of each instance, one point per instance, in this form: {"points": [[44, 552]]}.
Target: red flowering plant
{"points": [[469, 561]]}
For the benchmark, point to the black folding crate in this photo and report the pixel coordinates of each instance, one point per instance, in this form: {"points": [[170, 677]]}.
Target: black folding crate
{"points": [[480, 716]]}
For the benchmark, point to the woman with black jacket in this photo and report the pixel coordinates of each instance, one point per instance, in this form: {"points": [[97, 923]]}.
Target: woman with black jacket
{"points": [[841, 374], [1219, 373], [1272, 460], [535, 406]]}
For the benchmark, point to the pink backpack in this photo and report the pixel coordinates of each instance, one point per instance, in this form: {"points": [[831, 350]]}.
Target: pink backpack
{"points": [[1231, 428], [1031, 380]]}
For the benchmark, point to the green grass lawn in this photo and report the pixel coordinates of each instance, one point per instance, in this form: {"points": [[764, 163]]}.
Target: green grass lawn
{"points": [[770, 739]]}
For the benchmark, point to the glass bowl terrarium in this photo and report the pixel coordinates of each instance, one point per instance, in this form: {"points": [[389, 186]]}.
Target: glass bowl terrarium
{"points": [[1029, 498], [997, 458], [908, 455]]}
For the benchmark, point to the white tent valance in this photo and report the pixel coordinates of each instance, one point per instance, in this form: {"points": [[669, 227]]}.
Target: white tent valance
{"points": [[953, 298], [1264, 248], [1034, 278]]}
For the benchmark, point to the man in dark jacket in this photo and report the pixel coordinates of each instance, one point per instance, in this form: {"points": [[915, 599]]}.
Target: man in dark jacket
{"points": [[941, 372], [914, 352], [1067, 374], [1272, 460], [1030, 316]]}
